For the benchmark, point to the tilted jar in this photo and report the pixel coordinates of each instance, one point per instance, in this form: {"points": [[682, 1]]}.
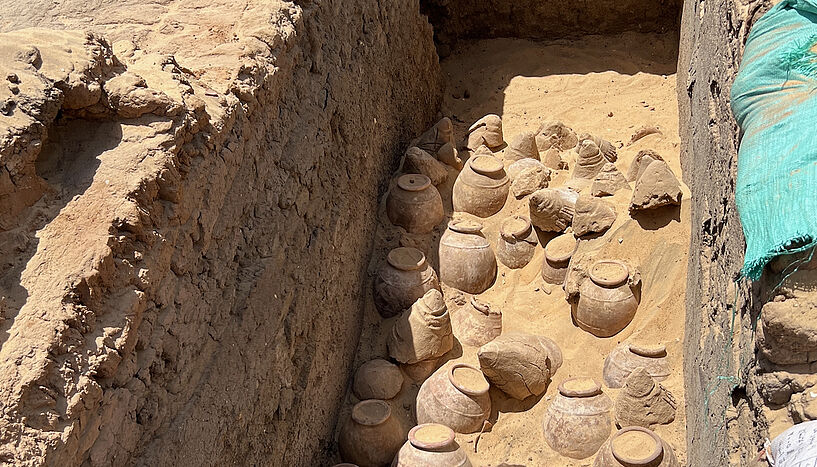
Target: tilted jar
{"points": [[635, 446], [476, 323], [467, 261], [481, 187], [431, 445], [455, 396], [517, 242], [625, 358], [415, 204], [558, 253], [371, 436], [606, 302], [401, 280], [578, 421]]}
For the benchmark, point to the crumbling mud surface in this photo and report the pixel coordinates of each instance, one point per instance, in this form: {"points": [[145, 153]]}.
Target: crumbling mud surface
{"points": [[187, 198]]}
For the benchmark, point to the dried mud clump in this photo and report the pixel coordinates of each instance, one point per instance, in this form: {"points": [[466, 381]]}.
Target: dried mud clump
{"points": [[608, 181], [644, 402], [520, 365]]}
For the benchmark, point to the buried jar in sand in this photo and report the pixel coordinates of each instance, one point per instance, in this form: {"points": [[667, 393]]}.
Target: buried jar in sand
{"points": [[520, 365], [467, 261], [558, 252], [482, 187], [377, 379], [415, 204], [636, 447], [578, 421], [606, 302], [423, 332], [477, 323], [371, 436], [517, 242], [625, 358], [644, 402], [455, 396], [431, 445], [401, 280]]}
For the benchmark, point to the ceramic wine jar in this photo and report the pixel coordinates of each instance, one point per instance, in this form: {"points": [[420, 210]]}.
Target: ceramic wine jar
{"points": [[481, 187], [578, 421], [606, 302], [401, 280], [558, 252], [455, 396], [635, 446], [377, 379], [415, 204], [625, 358], [431, 445], [467, 261], [423, 332], [476, 323], [371, 436], [517, 242]]}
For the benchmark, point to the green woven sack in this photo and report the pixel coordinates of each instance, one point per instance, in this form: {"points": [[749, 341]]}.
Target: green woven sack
{"points": [[774, 99]]}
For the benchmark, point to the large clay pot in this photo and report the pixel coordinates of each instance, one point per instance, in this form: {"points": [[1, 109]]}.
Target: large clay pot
{"points": [[635, 446], [481, 187], [578, 421], [415, 204], [377, 379], [431, 445], [423, 332], [455, 396], [625, 358], [371, 436], [558, 253], [517, 242], [606, 302], [477, 323], [467, 261], [401, 280]]}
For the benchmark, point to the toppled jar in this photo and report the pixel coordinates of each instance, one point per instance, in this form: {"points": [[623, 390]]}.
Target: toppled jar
{"points": [[558, 253], [552, 209], [467, 261], [482, 187], [455, 396], [517, 242], [371, 436], [431, 445], [423, 332], [377, 379], [520, 365], [578, 421], [625, 358], [635, 446], [606, 302], [401, 280], [476, 323], [415, 204]]}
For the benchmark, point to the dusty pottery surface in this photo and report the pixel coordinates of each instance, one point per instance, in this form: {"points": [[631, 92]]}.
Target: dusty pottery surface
{"points": [[371, 436], [517, 167], [418, 161], [605, 147], [520, 365], [592, 215], [606, 303], [467, 261], [552, 158], [415, 204], [644, 402], [626, 357], [481, 187], [403, 278], [656, 187], [644, 158], [431, 445], [377, 379], [636, 447], [422, 332], [578, 421], [487, 130], [522, 146], [608, 181], [476, 323], [589, 162], [530, 180], [517, 242], [552, 209], [558, 252], [555, 135], [456, 396]]}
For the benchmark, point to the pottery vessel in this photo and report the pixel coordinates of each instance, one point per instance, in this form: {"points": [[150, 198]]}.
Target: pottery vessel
{"points": [[552, 209], [455, 396], [517, 242], [423, 332], [578, 421], [436, 137], [431, 445], [485, 131], [377, 379], [589, 162], [519, 166], [477, 323], [415, 204], [481, 187], [371, 436], [401, 280], [644, 402], [625, 358], [558, 253], [467, 261], [606, 302], [635, 446], [520, 365]]}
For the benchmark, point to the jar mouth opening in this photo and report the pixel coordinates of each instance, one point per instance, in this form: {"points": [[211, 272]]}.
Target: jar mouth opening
{"points": [[609, 273], [480, 306], [635, 446], [413, 182], [431, 436], [468, 379], [580, 387], [652, 351], [487, 165], [465, 226], [371, 412], [406, 258], [560, 249], [516, 228]]}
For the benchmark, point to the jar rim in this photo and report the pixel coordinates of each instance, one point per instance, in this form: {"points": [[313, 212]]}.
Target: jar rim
{"points": [[629, 461], [413, 182], [653, 351], [567, 388], [487, 165], [614, 278], [463, 386], [371, 412], [406, 258], [555, 243], [515, 228], [465, 226], [416, 436]]}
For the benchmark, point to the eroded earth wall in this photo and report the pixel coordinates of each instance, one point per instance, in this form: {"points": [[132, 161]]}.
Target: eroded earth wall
{"points": [[188, 198]]}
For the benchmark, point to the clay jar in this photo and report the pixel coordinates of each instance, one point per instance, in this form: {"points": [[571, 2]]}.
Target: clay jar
{"points": [[467, 261], [558, 252], [477, 323], [517, 242], [481, 187], [625, 358], [635, 446], [377, 379], [455, 396], [415, 204], [606, 302], [431, 445], [578, 421], [371, 436], [423, 332], [401, 280]]}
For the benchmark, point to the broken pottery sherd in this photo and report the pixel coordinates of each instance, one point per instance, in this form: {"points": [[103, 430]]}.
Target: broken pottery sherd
{"points": [[420, 162], [608, 181], [555, 135], [529, 181], [520, 365], [656, 187], [487, 130], [551, 210], [522, 146], [517, 167], [605, 147], [592, 215], [436, 137]]}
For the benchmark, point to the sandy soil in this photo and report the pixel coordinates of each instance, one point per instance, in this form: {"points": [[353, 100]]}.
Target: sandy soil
{"points": [[605, 86]]}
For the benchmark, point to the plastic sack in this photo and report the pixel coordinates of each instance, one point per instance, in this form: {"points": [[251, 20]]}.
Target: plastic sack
{"points": [[774, 100], [795, 447]]}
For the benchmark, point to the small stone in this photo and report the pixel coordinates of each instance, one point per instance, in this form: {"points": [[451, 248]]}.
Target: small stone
{"points": [[421, 162], [608, 181], [13, 78], [592, 216], [377, 379], [523, 146], [530, 180], [655, 188]]}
